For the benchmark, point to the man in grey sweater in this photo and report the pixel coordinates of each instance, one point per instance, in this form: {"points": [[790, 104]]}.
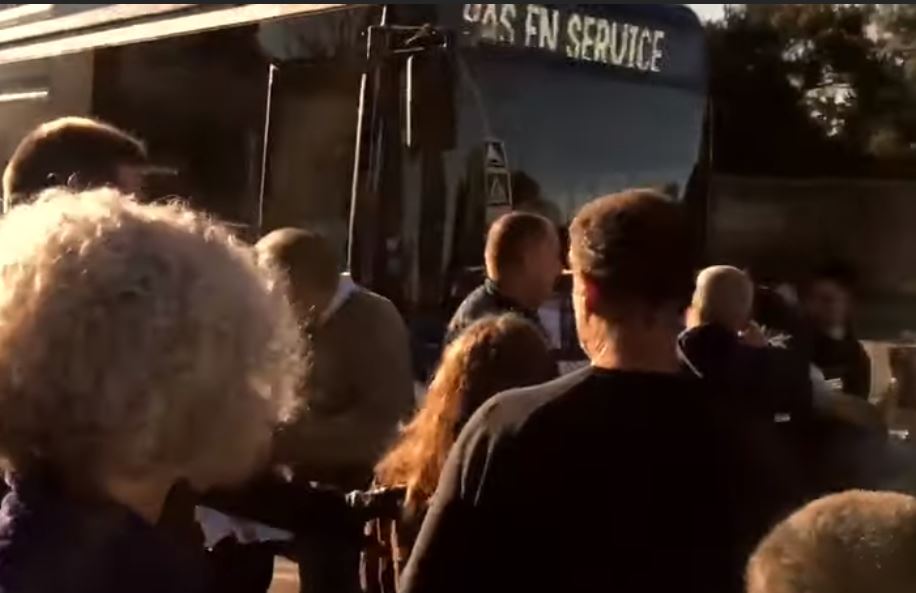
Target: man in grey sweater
{"points": [[360, 383]]}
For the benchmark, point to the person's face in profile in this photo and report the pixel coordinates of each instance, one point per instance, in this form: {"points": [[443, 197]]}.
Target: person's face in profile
{"points": [[543, 264], [828, 305]]}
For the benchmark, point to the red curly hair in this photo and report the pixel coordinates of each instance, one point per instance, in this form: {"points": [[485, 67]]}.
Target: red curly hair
{"points": [[491, 356]]}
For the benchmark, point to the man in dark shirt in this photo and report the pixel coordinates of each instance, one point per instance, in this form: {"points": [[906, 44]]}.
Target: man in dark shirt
{"points": [[827, 301], [522, 259], [728, 349], [625, 476]]}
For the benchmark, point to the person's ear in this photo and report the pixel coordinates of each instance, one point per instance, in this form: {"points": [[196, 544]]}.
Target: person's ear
{"points": [[74, 182], [591, 295]]}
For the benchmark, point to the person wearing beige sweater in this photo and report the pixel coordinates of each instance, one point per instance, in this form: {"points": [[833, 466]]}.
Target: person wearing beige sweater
{"points": [[359, 385]]}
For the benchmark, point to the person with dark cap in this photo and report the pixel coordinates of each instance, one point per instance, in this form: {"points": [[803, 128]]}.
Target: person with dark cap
{"points": [[624, 476], [76, 152], [522, 258]]}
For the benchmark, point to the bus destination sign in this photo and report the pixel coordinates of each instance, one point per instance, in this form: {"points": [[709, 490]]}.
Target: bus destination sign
{"points": [[570, 33]]}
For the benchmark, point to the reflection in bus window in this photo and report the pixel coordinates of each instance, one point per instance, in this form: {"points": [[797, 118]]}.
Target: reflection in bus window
{"points": [[319, 62], [36, 91], [579, 133], [200, 103]]}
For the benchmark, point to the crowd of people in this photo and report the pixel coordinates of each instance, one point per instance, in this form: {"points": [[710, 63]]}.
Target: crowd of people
{"points": [[178, 407]]}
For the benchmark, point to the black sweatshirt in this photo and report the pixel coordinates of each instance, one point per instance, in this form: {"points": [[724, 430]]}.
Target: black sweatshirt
{"points": [[844, 359], [598, 481]]}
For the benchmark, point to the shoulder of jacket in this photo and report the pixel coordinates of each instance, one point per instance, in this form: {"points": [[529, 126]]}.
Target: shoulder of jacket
{"points": [[369, 309], [511, 410]]}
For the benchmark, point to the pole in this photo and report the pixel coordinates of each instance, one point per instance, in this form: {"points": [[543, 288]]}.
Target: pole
{"points": [[262, 189]]}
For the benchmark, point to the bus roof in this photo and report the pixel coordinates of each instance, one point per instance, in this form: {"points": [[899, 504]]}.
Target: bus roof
{"points": [[34, 31]]}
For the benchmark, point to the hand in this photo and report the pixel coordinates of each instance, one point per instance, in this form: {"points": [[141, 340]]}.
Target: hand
{"points": [[753, 336]]}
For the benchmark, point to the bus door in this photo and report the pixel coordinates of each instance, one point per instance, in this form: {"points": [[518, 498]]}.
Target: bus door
{"points": [[405, 128]]}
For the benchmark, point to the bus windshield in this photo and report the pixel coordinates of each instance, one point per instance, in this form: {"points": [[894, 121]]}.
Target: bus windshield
{"points": [[577, 104], [579, 133]]}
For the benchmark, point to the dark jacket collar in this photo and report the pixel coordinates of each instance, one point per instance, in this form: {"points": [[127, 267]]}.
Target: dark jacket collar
{"points": [[93, 544], [506, 303]]}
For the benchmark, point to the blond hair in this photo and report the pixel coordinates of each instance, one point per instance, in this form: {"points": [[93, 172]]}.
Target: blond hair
{"points": [[136, 337], [854, 542], [723, 294]]}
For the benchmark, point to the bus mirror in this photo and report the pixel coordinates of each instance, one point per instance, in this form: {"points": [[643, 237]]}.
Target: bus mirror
{"points": [[429, 98]]}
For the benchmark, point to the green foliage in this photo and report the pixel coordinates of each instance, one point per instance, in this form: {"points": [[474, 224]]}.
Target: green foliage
{"points": [[814, 89]]}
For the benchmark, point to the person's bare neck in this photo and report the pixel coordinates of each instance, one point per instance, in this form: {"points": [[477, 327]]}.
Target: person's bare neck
{"points": [[652, 350]]}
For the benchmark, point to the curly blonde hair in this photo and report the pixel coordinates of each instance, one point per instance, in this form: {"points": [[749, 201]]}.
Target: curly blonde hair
{"points": [[138, 337]]}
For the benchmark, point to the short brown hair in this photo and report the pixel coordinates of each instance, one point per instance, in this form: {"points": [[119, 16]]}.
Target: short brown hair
{"points": [[636, 246], [510, 236], [304, 255], [56, 150], [854, 542]]}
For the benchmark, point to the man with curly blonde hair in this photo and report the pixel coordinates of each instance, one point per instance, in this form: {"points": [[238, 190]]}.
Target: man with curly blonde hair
{"points": [[140, 346]]}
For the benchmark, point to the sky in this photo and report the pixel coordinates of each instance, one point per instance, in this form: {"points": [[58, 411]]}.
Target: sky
{"points": [[708, 11]]}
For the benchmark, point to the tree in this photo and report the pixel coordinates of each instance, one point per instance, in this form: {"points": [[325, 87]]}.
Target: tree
{"points": [[813, 89], [760, 125]]}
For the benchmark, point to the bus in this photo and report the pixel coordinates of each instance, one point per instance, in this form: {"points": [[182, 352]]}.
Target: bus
{"points": [[398, 131]]}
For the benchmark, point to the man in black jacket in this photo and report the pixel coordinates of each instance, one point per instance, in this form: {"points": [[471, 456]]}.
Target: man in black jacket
{"points": [[522, 260], [728, 349]]}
